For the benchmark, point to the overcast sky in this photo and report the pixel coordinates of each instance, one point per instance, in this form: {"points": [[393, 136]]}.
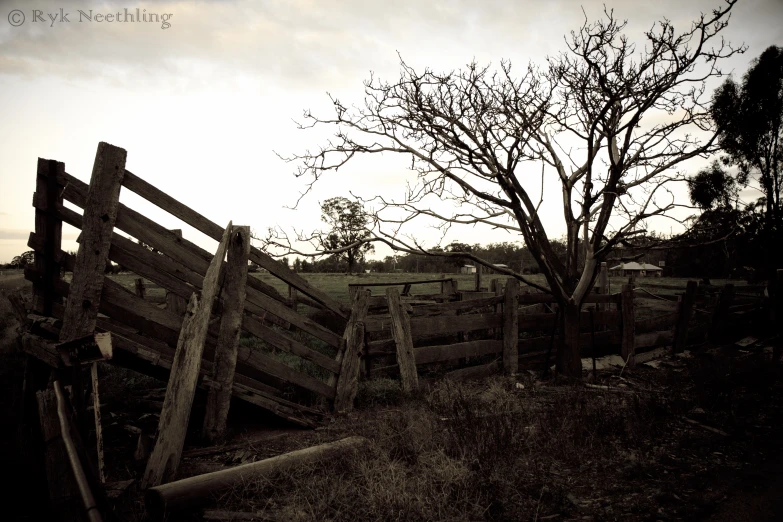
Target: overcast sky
{"points": [[201, 105]]}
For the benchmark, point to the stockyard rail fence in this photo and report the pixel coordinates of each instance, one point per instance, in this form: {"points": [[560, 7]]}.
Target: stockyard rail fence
{"points": [[190, 337]]}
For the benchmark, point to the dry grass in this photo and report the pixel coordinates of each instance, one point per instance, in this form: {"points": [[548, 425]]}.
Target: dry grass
{"points": [[480, 451]]}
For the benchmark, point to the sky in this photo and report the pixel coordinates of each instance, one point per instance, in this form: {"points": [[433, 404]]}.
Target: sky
{"points": [[205, 101]]}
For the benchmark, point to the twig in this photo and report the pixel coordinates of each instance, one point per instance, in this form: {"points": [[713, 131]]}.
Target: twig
{"points": [[708, 428]]}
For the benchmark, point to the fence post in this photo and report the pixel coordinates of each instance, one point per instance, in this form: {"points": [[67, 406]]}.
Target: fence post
{"points": [[603, 285], [628, 348], [48, 195], [511, 327], [84, 297], [720, 313], [348, 379], [219, 396], [139, 284], [401, 332], [778, 312], [684, 317], [293, 297], [478, 278], [173, 424], [175, 303]]}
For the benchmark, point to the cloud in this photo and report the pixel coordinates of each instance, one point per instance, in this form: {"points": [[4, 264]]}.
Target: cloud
{"points": [[297, 43]]}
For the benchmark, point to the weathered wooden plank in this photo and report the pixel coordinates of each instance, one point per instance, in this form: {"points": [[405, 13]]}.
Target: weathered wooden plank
{"points": [[119, 303], [421, 326], [511, 327], [189, 255], [285, 313], [628, 346], [176, 303], [47, 225], [96, 407], [100, 214], [159, 355], [211, 229], [451, 324], [284, 342], [62, 489], [348, 380], [219, 396], [456, 306], [684, 311], [475, 372], [403, 283], [660, 322], [448, 352], [612, 337], [190, 492], [401, 332], [86, 288], [170, 438], [718, 320]]}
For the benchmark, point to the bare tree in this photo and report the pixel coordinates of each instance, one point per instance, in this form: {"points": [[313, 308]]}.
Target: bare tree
{"points": [[604, 120]]}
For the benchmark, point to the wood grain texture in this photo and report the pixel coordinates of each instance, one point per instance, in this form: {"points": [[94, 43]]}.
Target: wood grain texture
{"points": [[219, 396], [172, 427], [401, 333]]}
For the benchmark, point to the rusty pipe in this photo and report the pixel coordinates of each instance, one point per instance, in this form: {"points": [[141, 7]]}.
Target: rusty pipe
{"points": [[88, 499]]}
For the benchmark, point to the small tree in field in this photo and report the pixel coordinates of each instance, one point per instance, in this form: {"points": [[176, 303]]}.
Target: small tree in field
{"points": [[347, 223], [605, 121]]}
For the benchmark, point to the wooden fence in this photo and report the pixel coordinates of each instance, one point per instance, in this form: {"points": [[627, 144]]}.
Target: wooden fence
{"points": [[190, 335], [478, 333]]}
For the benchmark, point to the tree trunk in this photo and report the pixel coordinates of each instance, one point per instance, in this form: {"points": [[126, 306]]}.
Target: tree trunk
{"points": [[569, 360]]}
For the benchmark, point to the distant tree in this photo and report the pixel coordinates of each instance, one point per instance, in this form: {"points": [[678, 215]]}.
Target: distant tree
{"points": [[749, 117], [297, 265], [712, 187], [347, 223], [23, 259]]}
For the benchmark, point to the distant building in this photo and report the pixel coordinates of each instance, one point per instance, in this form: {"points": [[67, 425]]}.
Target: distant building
{"points": [[635, 269], [468, 269]]}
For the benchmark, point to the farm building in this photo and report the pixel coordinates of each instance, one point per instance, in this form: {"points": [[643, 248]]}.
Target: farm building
{"points": [[635, 269], [468, 269]]}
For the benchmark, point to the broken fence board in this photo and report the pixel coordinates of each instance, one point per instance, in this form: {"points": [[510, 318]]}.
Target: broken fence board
{"points": [[170, 438], [401, 332], [348, 379], [219, 395]]}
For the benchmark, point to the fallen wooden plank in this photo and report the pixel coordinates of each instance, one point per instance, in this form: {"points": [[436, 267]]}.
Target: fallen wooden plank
{"points": [[193, 491], [475, 372]]}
